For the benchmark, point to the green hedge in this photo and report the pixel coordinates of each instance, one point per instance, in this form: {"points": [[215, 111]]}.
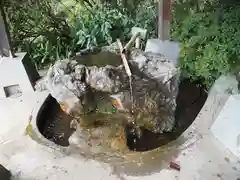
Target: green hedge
{"points": [[51, 30], [210, 42], [208, 30]]}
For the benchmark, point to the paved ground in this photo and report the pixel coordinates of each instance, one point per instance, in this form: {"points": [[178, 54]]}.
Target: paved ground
{"points": [[201, 156]]}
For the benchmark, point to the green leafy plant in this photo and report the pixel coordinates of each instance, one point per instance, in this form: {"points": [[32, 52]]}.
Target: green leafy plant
{"points": [[146, 17], [208, 30], [97, 28], [54, 29], [210, 42], [37, 29], [102, 25]]}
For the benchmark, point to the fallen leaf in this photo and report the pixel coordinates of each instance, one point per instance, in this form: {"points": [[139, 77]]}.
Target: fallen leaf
{"points": [[28, 130], [64, 107], [227, 159], [219, 175], [175, 165]]}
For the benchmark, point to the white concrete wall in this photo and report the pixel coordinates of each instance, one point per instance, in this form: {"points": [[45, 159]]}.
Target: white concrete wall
{"points": [[226, 128], [12, 72]]}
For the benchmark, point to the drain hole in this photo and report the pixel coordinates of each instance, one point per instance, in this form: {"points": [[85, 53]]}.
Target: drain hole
{"points": [[12, 91]]}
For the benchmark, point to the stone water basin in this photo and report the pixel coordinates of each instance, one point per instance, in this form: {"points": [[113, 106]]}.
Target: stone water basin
{"points": [[146, 153]]}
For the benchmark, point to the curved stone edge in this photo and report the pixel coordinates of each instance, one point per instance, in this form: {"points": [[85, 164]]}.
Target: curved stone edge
{"points": [[36, 135], [217, 97], [223, 88]]}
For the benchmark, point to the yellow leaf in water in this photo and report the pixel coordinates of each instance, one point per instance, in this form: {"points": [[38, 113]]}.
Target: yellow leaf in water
{"points": [[28, 130], [116, 104], [64, 107]]}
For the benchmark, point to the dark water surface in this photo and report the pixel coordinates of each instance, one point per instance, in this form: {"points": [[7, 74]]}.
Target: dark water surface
{"points": [[100, 59]]}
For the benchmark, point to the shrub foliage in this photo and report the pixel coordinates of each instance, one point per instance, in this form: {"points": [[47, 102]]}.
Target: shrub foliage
{"points": [[208, 30]]}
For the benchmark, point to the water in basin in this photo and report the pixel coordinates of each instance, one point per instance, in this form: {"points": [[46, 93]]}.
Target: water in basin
{"points": [[108, 137], [100, 59]]}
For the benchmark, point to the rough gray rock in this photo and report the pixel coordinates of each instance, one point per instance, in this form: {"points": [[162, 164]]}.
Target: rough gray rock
{"points": [[155, 86], [161, 70]]}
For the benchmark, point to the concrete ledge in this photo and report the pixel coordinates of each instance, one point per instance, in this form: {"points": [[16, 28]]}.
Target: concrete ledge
{"points": [[226, 128], [17, 71]]}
